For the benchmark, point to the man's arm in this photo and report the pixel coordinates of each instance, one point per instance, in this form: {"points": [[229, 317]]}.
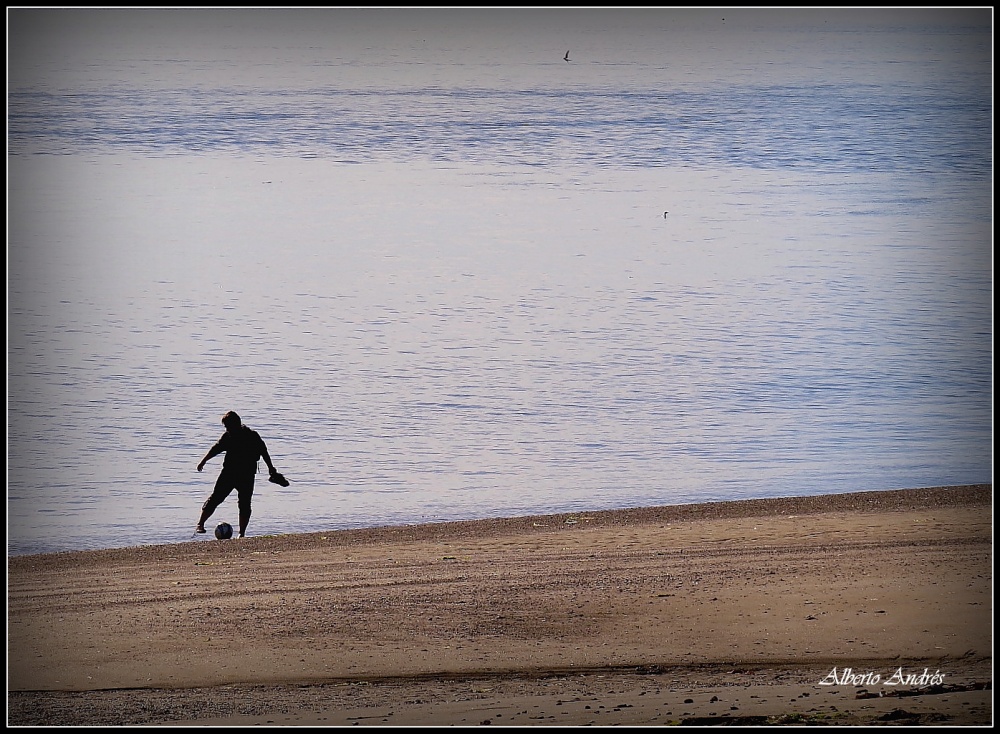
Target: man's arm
{"points": [[267, 457], [214, 451]]}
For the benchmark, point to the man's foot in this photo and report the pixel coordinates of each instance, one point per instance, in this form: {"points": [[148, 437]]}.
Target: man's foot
{"points": [[241, 535], [200, 529]]}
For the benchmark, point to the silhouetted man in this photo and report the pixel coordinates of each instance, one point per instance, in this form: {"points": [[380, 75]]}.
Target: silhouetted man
{"points": [[243, 448]]}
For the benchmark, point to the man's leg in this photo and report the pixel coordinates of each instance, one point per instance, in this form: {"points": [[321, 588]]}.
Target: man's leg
{"points": [[206, 512], [245, 496], [220, 493]]}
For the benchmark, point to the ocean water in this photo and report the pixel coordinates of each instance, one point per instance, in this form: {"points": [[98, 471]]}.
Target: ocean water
{"points": [[447, 274]]}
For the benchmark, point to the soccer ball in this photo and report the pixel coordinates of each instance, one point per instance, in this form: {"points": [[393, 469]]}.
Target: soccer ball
{"points": [[224, 531]]}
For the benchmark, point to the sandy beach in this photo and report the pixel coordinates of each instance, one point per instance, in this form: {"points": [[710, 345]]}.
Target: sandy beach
{"points": [[851, 609]]}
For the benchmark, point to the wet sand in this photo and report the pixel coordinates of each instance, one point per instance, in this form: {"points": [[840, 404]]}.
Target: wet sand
{"points": [[846, 609]]}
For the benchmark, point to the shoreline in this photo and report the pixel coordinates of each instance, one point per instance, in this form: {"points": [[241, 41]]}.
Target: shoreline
{"points": [[645, 615], [866, 501]]}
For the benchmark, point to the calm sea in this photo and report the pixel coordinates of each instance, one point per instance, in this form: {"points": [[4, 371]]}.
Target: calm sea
{"points": [[448, 274]]}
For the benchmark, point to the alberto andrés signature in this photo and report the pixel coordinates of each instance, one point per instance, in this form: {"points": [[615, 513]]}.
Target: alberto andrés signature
{"points": [[847, 677]]}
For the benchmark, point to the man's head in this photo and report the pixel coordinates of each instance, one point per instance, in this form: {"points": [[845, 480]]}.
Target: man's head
{"points": [[232, 420]]}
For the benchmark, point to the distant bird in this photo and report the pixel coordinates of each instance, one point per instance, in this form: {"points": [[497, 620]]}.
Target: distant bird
{"points": [[566, 57]]}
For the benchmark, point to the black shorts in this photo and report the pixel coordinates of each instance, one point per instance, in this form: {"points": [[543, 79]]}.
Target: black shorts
{"points": [[230, 479]]}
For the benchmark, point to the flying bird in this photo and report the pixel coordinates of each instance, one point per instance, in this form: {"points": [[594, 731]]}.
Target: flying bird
{"points": [[566, 57]]}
